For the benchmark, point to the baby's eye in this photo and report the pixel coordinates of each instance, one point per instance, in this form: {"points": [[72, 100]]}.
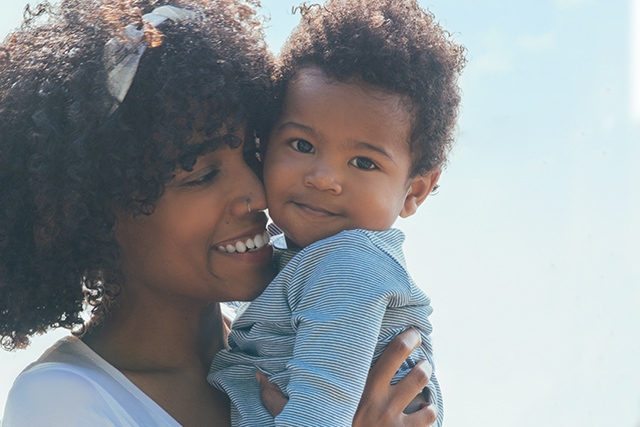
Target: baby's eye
{"points": [[363, 163], [302, 146]]}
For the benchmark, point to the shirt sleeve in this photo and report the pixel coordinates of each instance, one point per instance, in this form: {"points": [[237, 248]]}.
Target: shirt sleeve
{"points": [[57, 397], [338, 316]]}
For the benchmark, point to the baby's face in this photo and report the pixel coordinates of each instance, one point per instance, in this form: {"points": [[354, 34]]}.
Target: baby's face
{"points": [[338, 158]]}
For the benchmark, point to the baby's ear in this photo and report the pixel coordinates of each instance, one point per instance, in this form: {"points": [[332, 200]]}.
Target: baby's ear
{"points": [[421, 186]]}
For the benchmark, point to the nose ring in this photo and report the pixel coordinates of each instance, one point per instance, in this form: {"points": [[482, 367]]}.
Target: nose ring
{"points": [[248, 205]]}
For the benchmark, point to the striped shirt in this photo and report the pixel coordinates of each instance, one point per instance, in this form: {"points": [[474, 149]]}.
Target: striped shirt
{"points": [[319, 326]]}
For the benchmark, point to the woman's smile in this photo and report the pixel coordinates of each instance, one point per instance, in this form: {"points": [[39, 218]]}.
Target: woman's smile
{"points": [[245, 244], [202, 241]]}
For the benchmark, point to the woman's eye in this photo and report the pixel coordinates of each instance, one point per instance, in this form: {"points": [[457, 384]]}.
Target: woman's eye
{"points": [[205, 179], [302, 146], [363, 163]]}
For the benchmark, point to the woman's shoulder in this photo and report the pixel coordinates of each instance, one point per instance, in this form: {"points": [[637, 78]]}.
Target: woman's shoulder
{"points": [[53, 393], [71, 385], [44, 381]]}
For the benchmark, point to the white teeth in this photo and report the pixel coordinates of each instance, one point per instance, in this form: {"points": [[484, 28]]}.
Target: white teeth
{"points": [[258, 241]]}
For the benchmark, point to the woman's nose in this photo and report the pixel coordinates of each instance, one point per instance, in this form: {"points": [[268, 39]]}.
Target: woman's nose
{"points": [[324, 177], [251, 196]]}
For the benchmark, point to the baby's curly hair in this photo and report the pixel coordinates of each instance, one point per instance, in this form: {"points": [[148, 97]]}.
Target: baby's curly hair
{"points": [[393, 45], [66, 161]]}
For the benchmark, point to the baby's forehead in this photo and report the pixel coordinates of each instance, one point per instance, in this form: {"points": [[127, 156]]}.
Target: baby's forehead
{"points": [[354, 82], [315, 93]]}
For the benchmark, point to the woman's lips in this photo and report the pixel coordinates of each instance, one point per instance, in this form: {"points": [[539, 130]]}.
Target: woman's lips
{"points": [[246, 245]]}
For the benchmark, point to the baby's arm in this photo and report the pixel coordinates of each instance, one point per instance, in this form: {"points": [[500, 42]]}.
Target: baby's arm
{"points": [[381, 404], [337, 316]]}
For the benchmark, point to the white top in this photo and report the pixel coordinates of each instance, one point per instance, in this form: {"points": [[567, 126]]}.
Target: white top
{"points": [[70, 385]]}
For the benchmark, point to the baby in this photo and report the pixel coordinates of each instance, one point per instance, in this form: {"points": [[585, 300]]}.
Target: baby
{"points": [[368, 99]]}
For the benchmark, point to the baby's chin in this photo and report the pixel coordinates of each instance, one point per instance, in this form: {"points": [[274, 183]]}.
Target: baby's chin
{"points": [[294, 241], [297, 241]]}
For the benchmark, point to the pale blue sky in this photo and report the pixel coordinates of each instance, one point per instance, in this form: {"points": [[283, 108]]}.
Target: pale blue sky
{"points": [[530, 250]]}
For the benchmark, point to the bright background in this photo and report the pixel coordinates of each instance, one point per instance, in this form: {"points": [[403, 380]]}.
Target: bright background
{"points": [[530, 250]]}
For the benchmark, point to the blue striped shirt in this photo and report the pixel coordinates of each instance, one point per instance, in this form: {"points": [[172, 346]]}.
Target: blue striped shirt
{"points": [[319, 326]]}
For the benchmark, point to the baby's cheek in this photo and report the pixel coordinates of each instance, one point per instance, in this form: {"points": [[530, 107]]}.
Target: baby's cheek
{"points": [[384, 217]]}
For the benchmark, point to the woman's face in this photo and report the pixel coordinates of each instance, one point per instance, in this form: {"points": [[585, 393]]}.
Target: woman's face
{"points": [[178, 252]]}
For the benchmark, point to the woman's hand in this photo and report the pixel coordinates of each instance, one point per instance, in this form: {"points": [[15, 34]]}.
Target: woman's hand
{"points": [[384, 405], [271, 395], [381, 405]]}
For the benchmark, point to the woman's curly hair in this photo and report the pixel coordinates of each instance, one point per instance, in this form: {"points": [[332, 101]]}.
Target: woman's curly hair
{"points": [[391, 44], [66, 161]]}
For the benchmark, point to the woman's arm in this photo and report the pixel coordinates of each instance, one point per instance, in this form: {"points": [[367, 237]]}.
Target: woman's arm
{"points": [[381, 405]]}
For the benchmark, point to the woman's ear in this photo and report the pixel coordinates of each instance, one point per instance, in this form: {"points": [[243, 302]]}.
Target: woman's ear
{"points": [[421, 186]]}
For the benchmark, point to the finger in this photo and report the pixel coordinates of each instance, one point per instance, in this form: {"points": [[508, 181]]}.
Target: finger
{"points": [[411, 385], [392, 357], [416, 404], [424, 417], [271, 395]]}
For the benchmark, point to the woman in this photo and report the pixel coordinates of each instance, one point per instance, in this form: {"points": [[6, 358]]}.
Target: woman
{"points": [[123, 172]]}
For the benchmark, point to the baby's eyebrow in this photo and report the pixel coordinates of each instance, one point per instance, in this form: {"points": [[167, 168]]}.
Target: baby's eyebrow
{"points": [[296, 125], [368, 146]]}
